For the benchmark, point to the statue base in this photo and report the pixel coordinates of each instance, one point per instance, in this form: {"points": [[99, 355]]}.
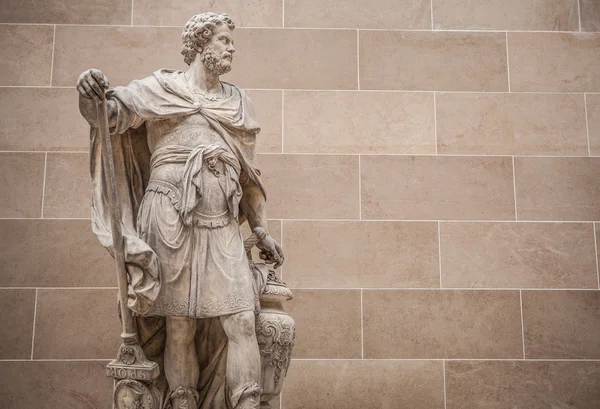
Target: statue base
{"points": [[134, 375]]}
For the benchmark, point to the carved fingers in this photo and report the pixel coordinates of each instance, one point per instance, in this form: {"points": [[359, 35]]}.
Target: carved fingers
{"points": [[92, 84], [271, 252]]}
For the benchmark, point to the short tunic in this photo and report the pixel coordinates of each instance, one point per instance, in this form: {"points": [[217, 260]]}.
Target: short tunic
{"points": [[188, 216]]}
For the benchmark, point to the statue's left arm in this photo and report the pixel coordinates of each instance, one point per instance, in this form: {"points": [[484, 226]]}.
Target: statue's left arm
{"points": [[253, 202], [253, 205]]}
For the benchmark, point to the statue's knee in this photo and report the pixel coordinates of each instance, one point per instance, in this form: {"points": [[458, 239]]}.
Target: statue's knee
{"points": [[242, 324], [181, 330]]}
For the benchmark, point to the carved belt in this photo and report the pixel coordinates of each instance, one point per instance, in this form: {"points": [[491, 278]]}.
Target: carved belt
{"points": [[185, 199]]}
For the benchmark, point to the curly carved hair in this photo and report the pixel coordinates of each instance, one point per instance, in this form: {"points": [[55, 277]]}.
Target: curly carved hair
{"points": [[199, 30]]}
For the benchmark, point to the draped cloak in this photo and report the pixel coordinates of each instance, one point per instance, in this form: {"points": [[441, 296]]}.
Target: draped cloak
{"points": [[161, 96]]}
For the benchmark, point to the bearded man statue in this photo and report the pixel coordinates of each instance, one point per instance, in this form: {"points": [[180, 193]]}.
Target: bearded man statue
{"points": [[185, 149]]}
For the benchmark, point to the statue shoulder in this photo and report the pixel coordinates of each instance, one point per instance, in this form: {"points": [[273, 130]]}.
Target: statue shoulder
{"points": [[136, 86], [234, 90], [159, 80]]}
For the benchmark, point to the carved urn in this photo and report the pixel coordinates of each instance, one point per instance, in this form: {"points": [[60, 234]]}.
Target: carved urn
{"points": [[275, 332]]}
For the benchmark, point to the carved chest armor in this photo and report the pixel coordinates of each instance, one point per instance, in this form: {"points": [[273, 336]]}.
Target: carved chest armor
{"points": [[191, 132]]}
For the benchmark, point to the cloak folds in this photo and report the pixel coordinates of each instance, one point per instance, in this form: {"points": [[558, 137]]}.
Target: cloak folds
{"points": [[165, 95]]}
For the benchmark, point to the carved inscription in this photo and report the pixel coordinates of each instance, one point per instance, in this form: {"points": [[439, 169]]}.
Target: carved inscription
{"points": [[121, 372]]}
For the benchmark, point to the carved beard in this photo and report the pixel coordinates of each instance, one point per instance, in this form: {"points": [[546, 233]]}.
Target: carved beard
{"points": [[215, 62]]}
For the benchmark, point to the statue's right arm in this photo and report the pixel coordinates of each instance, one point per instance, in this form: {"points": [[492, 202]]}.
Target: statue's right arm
{"points": [[92, 85]]}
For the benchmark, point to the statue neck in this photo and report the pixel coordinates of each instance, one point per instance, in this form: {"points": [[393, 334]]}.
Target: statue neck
{"points": [[200, 78]]}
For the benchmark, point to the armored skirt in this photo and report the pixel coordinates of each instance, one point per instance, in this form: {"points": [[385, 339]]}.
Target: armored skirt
{"points": [[204, 271]]}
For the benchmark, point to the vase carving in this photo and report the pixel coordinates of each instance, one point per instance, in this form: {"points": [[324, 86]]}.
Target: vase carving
{"points": [[275, 332]]}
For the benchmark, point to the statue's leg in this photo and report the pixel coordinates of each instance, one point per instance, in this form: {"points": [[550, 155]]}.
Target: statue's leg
{"points": [[181, 362], [243, 360]]}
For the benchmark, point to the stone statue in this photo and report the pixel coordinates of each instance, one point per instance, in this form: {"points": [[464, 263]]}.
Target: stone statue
{"points": [[203, 323]]}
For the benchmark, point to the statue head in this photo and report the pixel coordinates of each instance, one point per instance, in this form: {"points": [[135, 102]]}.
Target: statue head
{"points": [[207, 36]]}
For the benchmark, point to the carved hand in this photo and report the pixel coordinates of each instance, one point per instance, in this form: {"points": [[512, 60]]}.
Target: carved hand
{"points": [[270, 251], [92, 84]]}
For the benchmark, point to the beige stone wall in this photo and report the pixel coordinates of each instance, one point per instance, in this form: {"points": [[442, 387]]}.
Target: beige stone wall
{"points": [[434, 176]]}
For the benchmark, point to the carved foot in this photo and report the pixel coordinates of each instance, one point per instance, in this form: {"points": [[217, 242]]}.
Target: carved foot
{"points": [[250, 398], [248, 403], [184, 398]]}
